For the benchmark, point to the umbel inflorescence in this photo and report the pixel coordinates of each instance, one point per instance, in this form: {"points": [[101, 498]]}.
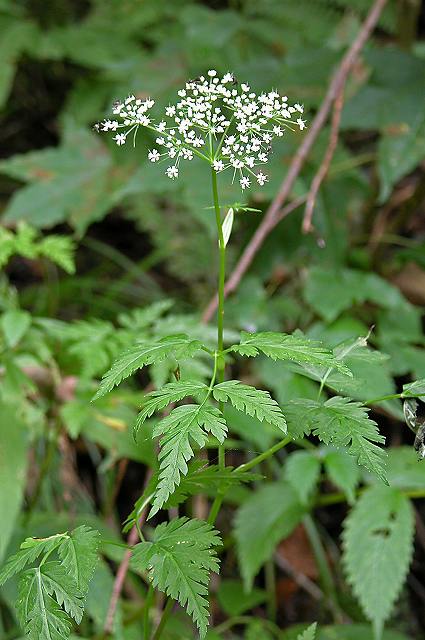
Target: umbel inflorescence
{"points": [[216, 119]]}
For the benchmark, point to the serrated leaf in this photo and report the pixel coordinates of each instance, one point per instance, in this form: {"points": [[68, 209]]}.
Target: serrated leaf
{"points": [[282, 346], [40, 615], [378, 544], [60, 250], [183, 426], [414, 389], [252, 401], [179, 561], [57, 581], [309, 633], [302, 471], [30, 550], [267, 517], [342, 423], [171, 392], [146, 353], [79, 555]]}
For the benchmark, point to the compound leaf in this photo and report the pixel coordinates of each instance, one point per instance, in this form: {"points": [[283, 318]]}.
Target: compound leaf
{"points": [[342, 423], [30, 550], [378, 543], [252, 401], [57, 581], [79, 556], [179, 561], [171, 392], [282, 346], [183, 425], [146, 353]]}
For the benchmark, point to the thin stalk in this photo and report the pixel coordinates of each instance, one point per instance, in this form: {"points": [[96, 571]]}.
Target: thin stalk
{"points": [[270, 577], [164, 619], [220, 326], [263, 456], [326, 577], [148, 604]]}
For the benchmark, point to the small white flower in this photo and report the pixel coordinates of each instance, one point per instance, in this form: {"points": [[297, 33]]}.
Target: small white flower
{"points": [[245, 182], [172, 172], [218, 165], [228, 77], [120, 138], [261, 178], [170, 111], [299, 107], [212, 73], [153, 155], [161, 126], [301, 123]]}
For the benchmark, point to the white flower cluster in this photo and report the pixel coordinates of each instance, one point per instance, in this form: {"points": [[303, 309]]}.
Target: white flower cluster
{"points": [[216, 119]]}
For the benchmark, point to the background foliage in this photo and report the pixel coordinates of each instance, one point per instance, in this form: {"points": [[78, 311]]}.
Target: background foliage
{"points": [[144, 249]]}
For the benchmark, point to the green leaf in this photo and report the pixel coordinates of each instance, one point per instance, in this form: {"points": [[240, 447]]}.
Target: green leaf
{"points": [[13, 471], [309, 633], [30, 550], [146, 353], [378, 545], [15, 324], [267, 517], [414, 389], [182, 426], [57, 581], [60, 250], [302, 471], [40, 615], [342, 423], [234, 600], [343, 472], [282, 346], [171, 392], [251, 401], [179, 561], [74, 182], [79, 555]]}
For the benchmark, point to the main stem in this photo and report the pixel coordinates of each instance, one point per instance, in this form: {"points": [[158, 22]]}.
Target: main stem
{"points": [[220, 325]]}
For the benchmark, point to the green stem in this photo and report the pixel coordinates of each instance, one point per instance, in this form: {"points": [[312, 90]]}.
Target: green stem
{"points": [[148, 604], [164, 619], [263, 456], [392, 396], [220, 325]]}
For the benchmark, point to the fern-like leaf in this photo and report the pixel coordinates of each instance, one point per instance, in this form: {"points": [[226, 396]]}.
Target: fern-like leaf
{"points": [[282, 346], [179, 429], [57, 581], [40, 615], [309, 633], [342, 423], [378, 544], [179, 561], [30, 550], [252, 401], [171, 392], [79, 555], [146, 353]]}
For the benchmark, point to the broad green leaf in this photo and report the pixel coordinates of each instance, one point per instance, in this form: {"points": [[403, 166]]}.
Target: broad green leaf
{"points": [[179, 561], [404, 472], [378, 545], [146, 353], [282, 346], [302, 471], [59, 583], [342, 423], [74, 182], [30, 550], [268, 516], [234, 600], [13, 471], [331, 291], [343, 472], [15, 324], [251, 401], [183, 426], [79, 555], [171, 392], [40, 615]]}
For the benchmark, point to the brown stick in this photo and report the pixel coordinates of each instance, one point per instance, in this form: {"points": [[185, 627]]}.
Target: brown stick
{"points": [[123, 568], [327, 159], [271, 217]]}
